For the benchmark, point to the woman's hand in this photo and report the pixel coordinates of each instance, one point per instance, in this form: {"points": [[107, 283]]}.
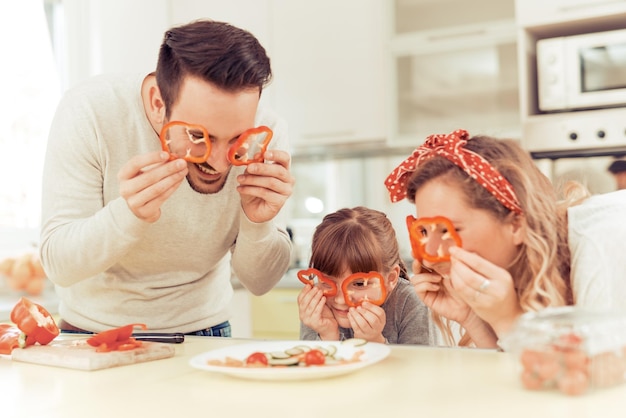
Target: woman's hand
{"points": [[315, 314], [487, 288], [148, 180], [436, 293], [367, 321]]}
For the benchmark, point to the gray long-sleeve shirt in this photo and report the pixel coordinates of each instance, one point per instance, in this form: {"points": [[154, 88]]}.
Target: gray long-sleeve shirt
{"points": [[407, 319]]}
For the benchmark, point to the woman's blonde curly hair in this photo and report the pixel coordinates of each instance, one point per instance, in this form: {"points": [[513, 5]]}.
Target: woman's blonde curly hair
{"points": [[541, 270]]}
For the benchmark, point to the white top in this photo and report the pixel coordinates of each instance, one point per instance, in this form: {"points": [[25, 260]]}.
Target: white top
{"points": [[111, 268], [597, 241]]}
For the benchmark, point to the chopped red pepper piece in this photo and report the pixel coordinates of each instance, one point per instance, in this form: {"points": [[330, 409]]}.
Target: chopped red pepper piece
{"points": [[250, 146], [426, 232], [9, 338], [34, 321], [116, 339]]}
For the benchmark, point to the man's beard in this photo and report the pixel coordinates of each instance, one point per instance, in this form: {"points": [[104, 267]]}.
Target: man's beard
{"points": [[199, 187]]}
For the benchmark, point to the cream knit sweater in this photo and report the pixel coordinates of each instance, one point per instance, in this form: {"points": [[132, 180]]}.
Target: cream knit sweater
{"points": [[112, 269]]}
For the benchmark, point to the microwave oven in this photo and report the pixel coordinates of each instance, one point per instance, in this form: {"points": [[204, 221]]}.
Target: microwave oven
{"points": [[579, 72]]}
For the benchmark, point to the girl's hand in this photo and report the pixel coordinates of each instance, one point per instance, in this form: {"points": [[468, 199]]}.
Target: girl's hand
{"points": [[487, 288], [437, 293], [315, 314], [367, 321]]}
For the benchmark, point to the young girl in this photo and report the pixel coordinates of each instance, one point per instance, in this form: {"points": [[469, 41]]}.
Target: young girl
{"points": [[522, 249], [350, 245]]}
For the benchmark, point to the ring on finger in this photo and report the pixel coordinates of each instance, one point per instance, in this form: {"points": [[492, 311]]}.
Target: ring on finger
{"points": [[484, 285]]}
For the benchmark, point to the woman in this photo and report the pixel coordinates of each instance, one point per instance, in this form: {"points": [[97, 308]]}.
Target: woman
{"points": [[522, 249]]}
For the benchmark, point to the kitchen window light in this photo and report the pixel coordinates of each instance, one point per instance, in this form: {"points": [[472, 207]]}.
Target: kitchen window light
{"points": [[31, 90]]}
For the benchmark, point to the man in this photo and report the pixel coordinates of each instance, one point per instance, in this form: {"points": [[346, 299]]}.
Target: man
{"points": [[131, 235], [618, 169]]}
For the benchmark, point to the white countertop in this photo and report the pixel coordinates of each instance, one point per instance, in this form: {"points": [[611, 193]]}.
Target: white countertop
{"points": [[412, 381]]}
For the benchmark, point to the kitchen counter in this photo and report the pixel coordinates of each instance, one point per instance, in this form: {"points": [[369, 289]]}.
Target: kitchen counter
{"points": [[420, 381]]}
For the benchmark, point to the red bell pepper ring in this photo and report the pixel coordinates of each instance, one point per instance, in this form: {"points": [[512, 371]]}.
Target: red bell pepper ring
{"points": [[364, 286], [119, 339], [11, 337], [418, 235], [315, 277], [34, 321], [188, 157], [250, 146]]}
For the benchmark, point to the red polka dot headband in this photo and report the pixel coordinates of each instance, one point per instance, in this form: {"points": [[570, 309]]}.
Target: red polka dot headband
{"points": [[452, 147]]}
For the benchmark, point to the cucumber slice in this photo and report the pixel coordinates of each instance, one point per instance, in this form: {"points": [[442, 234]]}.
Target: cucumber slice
{"points": [[331, 350], [294, 351], [355, 342], [279, 355], [289, 361]]}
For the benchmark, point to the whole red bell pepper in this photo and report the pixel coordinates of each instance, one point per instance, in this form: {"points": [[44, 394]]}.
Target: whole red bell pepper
{"points": [[34, 321]]}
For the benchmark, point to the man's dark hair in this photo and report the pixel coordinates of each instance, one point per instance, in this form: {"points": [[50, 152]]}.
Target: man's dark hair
{"points": [[228, 57]]}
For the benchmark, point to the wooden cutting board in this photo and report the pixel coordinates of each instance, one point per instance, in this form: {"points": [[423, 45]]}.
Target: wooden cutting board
{"points": [[77, 354]]}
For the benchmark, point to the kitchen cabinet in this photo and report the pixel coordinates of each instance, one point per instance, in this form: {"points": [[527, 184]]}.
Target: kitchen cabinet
{"points": [[452, 70], [275, 314], [328, 62], [240, 321], [566, 12]]}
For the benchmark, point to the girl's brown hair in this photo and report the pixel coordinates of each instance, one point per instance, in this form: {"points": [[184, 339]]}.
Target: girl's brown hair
{"points": [[541, 272], [228, 57], [358, 239]]}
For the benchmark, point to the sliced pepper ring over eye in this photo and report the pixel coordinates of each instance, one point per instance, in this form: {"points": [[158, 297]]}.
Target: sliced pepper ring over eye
{"points": [[432, 237], [186, 141], [316, 278], [250, 146], [360, 287]]}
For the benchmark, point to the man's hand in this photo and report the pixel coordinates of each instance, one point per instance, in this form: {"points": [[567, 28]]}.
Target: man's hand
{"points": [[265, 187], [148, 180]]}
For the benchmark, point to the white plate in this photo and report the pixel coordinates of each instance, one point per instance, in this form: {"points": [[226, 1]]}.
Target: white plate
{"points": [[372, 353]]}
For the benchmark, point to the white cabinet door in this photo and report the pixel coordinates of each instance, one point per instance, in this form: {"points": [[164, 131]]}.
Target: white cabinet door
{"points": [[328, 58], [453, 70]]}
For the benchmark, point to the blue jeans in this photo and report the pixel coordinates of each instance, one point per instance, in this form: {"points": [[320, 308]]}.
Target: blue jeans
{"points": [[219, 330]]}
